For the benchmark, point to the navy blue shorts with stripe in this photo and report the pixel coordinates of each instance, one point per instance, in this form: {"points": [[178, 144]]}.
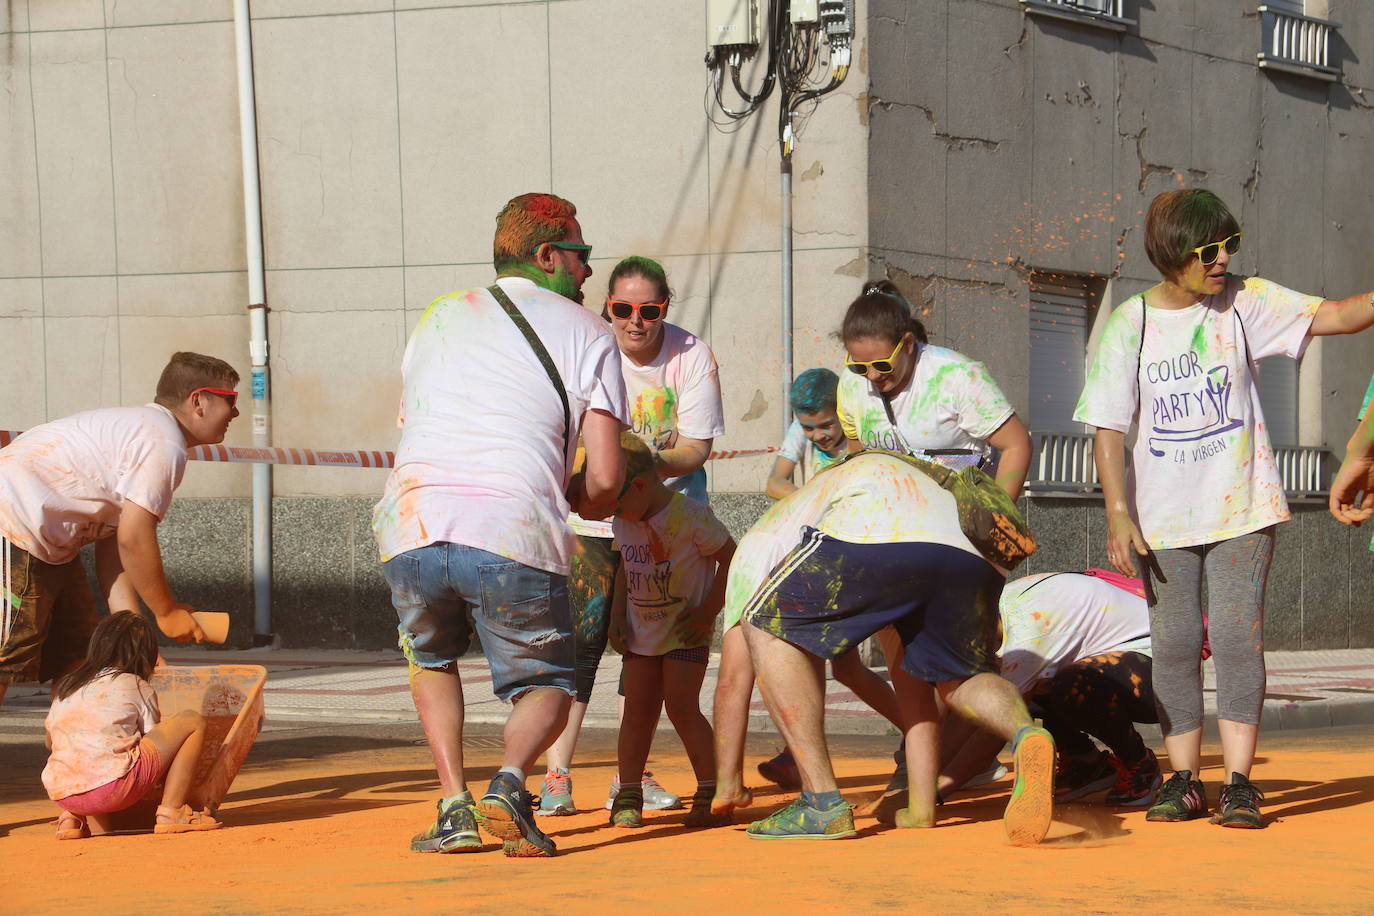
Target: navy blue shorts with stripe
{"points": [[827, 596]]}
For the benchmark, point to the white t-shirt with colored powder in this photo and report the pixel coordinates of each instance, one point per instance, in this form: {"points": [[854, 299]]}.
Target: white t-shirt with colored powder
{"points": [[803, 453], [668, 573], [63, 484], [677, 393], [869, 499], [1051, 620], [1202, 468], [95, 732], [951, 402], [481, 460]]}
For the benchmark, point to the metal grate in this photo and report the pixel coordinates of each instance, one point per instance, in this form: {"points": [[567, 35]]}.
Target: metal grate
{"points": [[1063, 463]]}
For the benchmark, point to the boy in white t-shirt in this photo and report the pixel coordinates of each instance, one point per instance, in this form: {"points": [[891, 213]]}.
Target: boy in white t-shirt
{"points": [[104, 477], [669, 589]]}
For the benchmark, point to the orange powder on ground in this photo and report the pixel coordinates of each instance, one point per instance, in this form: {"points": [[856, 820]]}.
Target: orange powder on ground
{"points": [[328, 834]]}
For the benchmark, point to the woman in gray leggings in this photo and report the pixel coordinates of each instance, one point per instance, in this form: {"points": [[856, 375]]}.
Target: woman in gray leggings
{"points": [[1177, 364]]}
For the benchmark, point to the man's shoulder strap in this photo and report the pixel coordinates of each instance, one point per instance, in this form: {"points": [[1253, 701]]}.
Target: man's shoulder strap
{"points": [[540, 352]]}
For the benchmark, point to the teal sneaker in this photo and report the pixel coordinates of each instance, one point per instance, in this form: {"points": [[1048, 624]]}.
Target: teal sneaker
{"points": [[454, 830], [800, 821], [1028, 814], [555, 798]]}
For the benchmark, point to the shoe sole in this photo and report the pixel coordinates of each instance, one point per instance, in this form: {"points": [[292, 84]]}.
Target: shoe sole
{"points": [[803, 836], [497, 818], [671, 806], [556, 811], [1239, 824], [843, 835], [1176, 819], [462, 844], [1028, 815], [1097, 785]]}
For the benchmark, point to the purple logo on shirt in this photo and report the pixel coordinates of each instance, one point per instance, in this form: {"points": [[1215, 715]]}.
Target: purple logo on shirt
{"points": [[1192, 415]]}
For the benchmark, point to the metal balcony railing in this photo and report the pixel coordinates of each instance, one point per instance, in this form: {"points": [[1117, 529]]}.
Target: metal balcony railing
{"points": [[1063, 463], [1110, 14], [1296, 43], [1306, 470]]}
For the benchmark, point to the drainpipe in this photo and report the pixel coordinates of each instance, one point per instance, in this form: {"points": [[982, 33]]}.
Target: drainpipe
{"points": [[786, 294], [257, 315]]}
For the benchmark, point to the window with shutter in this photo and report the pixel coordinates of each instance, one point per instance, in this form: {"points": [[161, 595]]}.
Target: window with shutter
{"points": [[1062, 308]]}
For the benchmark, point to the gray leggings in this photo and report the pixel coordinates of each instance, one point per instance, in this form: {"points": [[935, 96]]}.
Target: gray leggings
{"points": [[1235, 573]]}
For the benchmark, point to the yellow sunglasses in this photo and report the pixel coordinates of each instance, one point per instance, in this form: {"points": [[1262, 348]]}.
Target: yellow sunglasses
{"points": [[881, 366], [1209, 253]]}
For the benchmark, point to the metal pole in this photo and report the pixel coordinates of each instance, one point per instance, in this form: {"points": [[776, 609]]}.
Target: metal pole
{"points": [[257, 314], [786, 292]]}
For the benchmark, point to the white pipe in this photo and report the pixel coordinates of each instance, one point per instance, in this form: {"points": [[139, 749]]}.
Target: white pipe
{"points": [[786, 293], [257, 313]]}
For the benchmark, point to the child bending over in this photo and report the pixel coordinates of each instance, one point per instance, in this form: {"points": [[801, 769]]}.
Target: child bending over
{"points": [[669, 589], [108, 745]]}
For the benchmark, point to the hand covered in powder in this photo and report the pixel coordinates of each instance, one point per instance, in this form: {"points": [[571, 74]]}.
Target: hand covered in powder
{"points": [[1355, 477]]}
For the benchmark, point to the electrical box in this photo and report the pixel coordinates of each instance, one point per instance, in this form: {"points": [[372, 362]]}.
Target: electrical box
{"points": [[732, 23], [838, 18], [805, 12]]}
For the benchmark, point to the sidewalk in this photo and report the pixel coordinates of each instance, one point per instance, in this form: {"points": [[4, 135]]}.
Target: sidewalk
{"points": [[1311, 689]]}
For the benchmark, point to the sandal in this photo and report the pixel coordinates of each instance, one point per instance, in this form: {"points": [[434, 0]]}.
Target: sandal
{"points": [[71, 826], [183, 820]]}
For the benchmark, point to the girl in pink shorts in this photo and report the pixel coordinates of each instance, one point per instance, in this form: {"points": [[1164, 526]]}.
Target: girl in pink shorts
{"points": [[109, 745]]}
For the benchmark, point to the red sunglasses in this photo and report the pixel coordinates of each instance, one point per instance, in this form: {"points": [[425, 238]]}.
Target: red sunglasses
{"points": [[231, 396], [649, 311]]}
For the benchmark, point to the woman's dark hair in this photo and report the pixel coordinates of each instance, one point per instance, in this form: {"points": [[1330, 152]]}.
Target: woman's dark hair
{"points": [[123, 641], [1179, 221], [639, 266], [882, 312]]}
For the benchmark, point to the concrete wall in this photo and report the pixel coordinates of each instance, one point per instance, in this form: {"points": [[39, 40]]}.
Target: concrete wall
{"points": [[1003, 142], [972, 144], [390, 135]]}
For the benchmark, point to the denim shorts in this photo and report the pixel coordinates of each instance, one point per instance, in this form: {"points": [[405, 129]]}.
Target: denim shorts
{"points": [[521, 615], [827, 596]]}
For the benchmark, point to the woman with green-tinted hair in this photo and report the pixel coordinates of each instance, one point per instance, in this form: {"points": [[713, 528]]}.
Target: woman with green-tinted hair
{"points": [[673, 389], [1203, 495]]}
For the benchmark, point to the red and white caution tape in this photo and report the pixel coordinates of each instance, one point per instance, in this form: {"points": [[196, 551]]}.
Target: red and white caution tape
{"points": [[342, 458]]}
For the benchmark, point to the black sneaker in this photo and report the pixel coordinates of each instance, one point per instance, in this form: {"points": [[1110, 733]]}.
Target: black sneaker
{"points": [[1182, 798], [1240, 800], [1078, 777], [507, 813], [1135, 784], [454, 830]]}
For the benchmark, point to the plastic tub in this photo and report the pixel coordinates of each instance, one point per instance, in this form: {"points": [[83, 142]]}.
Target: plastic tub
{"points": [[230, 699]]}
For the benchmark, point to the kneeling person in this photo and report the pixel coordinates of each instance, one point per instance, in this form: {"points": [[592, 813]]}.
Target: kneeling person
{"points": [[1077, 646], [882, 546], [669, 589]]}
